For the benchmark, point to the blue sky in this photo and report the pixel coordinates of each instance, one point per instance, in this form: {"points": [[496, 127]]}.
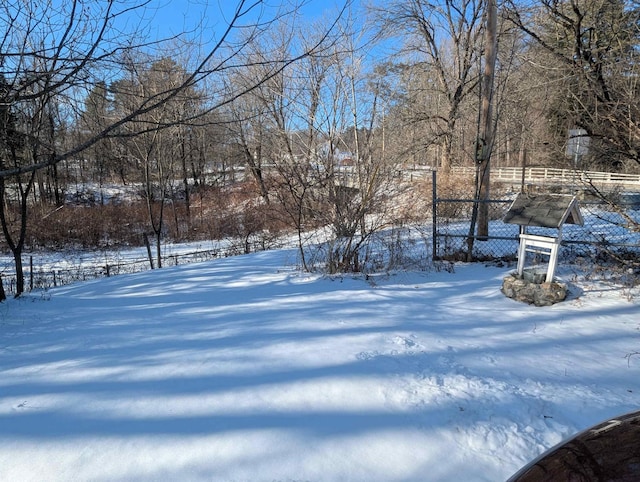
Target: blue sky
{"points": [[171, 17]]}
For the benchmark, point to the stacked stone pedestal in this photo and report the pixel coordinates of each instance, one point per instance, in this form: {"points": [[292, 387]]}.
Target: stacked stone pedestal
{"points": [[539, 294]]}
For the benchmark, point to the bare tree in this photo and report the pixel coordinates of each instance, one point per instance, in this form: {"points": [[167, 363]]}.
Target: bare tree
{"points": [[361, 181], [586, 53], [158, 152], [248, 128], [444, 42], [96, 114], [54, 53], [316, 130], [584, 56], [275, 126], [14, 147], [29, 127]]}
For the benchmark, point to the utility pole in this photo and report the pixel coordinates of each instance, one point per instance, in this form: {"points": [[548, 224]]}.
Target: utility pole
{"points": [[486, 132]]}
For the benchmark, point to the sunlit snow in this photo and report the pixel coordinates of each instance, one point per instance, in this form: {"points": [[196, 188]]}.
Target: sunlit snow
{"points": [[244, 369]]}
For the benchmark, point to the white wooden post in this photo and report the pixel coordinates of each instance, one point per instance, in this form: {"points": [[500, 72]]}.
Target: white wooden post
{"points": [[540, 245]]}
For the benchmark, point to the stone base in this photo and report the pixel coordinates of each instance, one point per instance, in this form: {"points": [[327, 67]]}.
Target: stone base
{"points": [[539, 294]]}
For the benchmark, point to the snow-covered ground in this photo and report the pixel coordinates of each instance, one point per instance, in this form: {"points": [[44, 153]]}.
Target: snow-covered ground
{"points": [[244, 369]]}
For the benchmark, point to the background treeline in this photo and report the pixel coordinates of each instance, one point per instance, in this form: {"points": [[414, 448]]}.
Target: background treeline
{"points": [[274, 123]]}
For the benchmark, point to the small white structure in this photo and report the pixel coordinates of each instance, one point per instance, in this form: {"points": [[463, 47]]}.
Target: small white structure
{"points": [[542, 210]]}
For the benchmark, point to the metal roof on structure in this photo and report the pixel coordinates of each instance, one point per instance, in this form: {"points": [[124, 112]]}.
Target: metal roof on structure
{"points": [[544, 210]]}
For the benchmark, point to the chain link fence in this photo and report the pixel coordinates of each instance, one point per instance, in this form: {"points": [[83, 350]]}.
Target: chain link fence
{"points": [[608, 229], [41, 272]]}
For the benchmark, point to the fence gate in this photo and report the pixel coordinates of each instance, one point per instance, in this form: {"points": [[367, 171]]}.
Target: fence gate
{"points": [[451, 225]]}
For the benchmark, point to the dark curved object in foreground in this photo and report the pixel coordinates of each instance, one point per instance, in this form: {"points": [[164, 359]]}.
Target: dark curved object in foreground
{"points": [[609, 451]]}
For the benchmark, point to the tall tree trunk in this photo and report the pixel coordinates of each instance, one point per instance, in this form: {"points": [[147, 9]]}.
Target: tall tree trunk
{"points": [[16, 246], [3, 295], [485, 142], [254, 161], [445, 159], [145, 238], [158, 248], [185, 182], [17, 262]]}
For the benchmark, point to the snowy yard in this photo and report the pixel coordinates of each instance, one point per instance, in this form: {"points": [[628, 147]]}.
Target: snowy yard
{"points": [[243, 369]]}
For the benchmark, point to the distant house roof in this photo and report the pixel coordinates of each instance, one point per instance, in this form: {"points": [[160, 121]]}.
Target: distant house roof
{"points": [[544, 210]]}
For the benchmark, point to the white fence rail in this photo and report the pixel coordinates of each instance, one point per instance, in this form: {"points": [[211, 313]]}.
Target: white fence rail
{"points": [[548, 175]]}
